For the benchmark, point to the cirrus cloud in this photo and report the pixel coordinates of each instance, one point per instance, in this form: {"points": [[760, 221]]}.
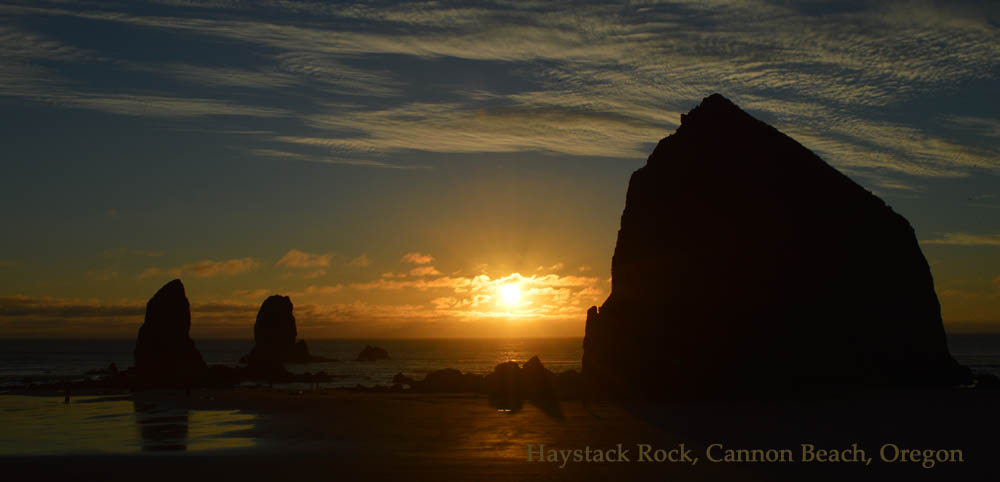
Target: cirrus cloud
{"points": [[360, 262], [424, 271], [417, 258], [965, 239], [206, 269], [300, 259]]}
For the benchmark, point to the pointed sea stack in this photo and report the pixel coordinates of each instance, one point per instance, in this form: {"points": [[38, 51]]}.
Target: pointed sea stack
{"points": [[164, 353], [746, 264], [274, 335]]}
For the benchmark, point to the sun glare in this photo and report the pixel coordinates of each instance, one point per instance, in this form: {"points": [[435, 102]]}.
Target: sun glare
{"points": [[510, 294]]}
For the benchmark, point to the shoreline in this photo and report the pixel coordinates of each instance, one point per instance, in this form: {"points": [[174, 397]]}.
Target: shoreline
{"points": [[463, 437]]}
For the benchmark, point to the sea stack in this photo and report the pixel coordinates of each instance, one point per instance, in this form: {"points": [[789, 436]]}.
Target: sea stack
{"points": [[746, 264], [274, 335], [164, 352], [372, 353]]}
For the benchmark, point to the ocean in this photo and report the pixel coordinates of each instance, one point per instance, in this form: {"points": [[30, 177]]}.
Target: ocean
{"points": [[117, 424], [113, 424], [42, 361]]}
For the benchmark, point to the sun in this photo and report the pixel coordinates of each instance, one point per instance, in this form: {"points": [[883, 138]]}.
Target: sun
{"points": [[510, 294]]}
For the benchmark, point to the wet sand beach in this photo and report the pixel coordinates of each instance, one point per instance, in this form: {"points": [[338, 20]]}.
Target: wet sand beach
{"points": [[345, 435]]}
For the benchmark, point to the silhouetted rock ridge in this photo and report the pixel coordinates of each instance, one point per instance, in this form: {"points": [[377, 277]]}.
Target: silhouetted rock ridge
{"points": [[508, 381], [745, 262]]}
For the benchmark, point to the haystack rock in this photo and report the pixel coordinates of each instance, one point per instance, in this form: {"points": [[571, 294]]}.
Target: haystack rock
{"points": [[744, 263], [164, 351], [274, 335]]}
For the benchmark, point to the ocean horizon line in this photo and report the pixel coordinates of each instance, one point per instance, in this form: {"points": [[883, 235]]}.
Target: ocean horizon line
{"points": [[380, 338], [312, 339]]}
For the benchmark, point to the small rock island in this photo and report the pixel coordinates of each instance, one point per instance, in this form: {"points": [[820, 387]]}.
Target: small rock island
{"points": [[372, 353]]}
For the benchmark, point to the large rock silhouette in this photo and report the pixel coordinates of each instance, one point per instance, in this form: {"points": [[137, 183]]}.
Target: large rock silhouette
{"points": [[274, 335], [164, 352], [745, 263]]}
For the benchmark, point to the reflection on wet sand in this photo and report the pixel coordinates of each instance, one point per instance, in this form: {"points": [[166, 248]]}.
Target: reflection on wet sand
{"points": [[548, 406], [165, 426], [162, 429], [153, 422]]}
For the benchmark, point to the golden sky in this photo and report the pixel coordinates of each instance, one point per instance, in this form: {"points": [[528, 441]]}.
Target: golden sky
{"points": [[396, 167]]}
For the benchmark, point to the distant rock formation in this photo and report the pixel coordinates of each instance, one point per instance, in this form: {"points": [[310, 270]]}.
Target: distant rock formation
{"points": [[535, 380], [510, 381], [274, 335], [371, 353], [744, 263], [401, 381], [164, 352], [505, 381], [449, 380]]}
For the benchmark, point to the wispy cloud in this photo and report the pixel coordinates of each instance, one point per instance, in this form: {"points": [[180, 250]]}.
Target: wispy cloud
{"points": [[165, 106], [417, 258], [46, 316], [473, 297], [20, 44], [300, 259], [436, 300], [26, 306], [604, 80], [214, 76], [314, 274], [965, 239], [424, 271], [205, 269], [124, 252], [323, 289], [979, 125], [228, 267], [333, 76], [360, 262], [456, 128], [103, 274], [327, 159], [253, 293]]}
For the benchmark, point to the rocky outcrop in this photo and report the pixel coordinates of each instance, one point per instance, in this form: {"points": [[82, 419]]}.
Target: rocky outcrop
{"points": [[744, 262], [449, 380], [164, 353], [535, 380], [401, 381], [274, 335], [372, 353], [508, 381]]}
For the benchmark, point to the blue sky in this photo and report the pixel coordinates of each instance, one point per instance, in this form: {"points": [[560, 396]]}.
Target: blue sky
{"points": [[306, 148]]}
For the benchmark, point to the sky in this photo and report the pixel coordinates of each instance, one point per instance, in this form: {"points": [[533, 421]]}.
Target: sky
{"points": [[393, 166]]}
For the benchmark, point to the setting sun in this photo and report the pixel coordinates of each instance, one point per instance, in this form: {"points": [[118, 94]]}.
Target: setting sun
{"points": [[510, 294]]}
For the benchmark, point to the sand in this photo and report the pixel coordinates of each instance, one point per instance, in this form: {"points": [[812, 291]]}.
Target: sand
{"points": [[344, 435]]}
